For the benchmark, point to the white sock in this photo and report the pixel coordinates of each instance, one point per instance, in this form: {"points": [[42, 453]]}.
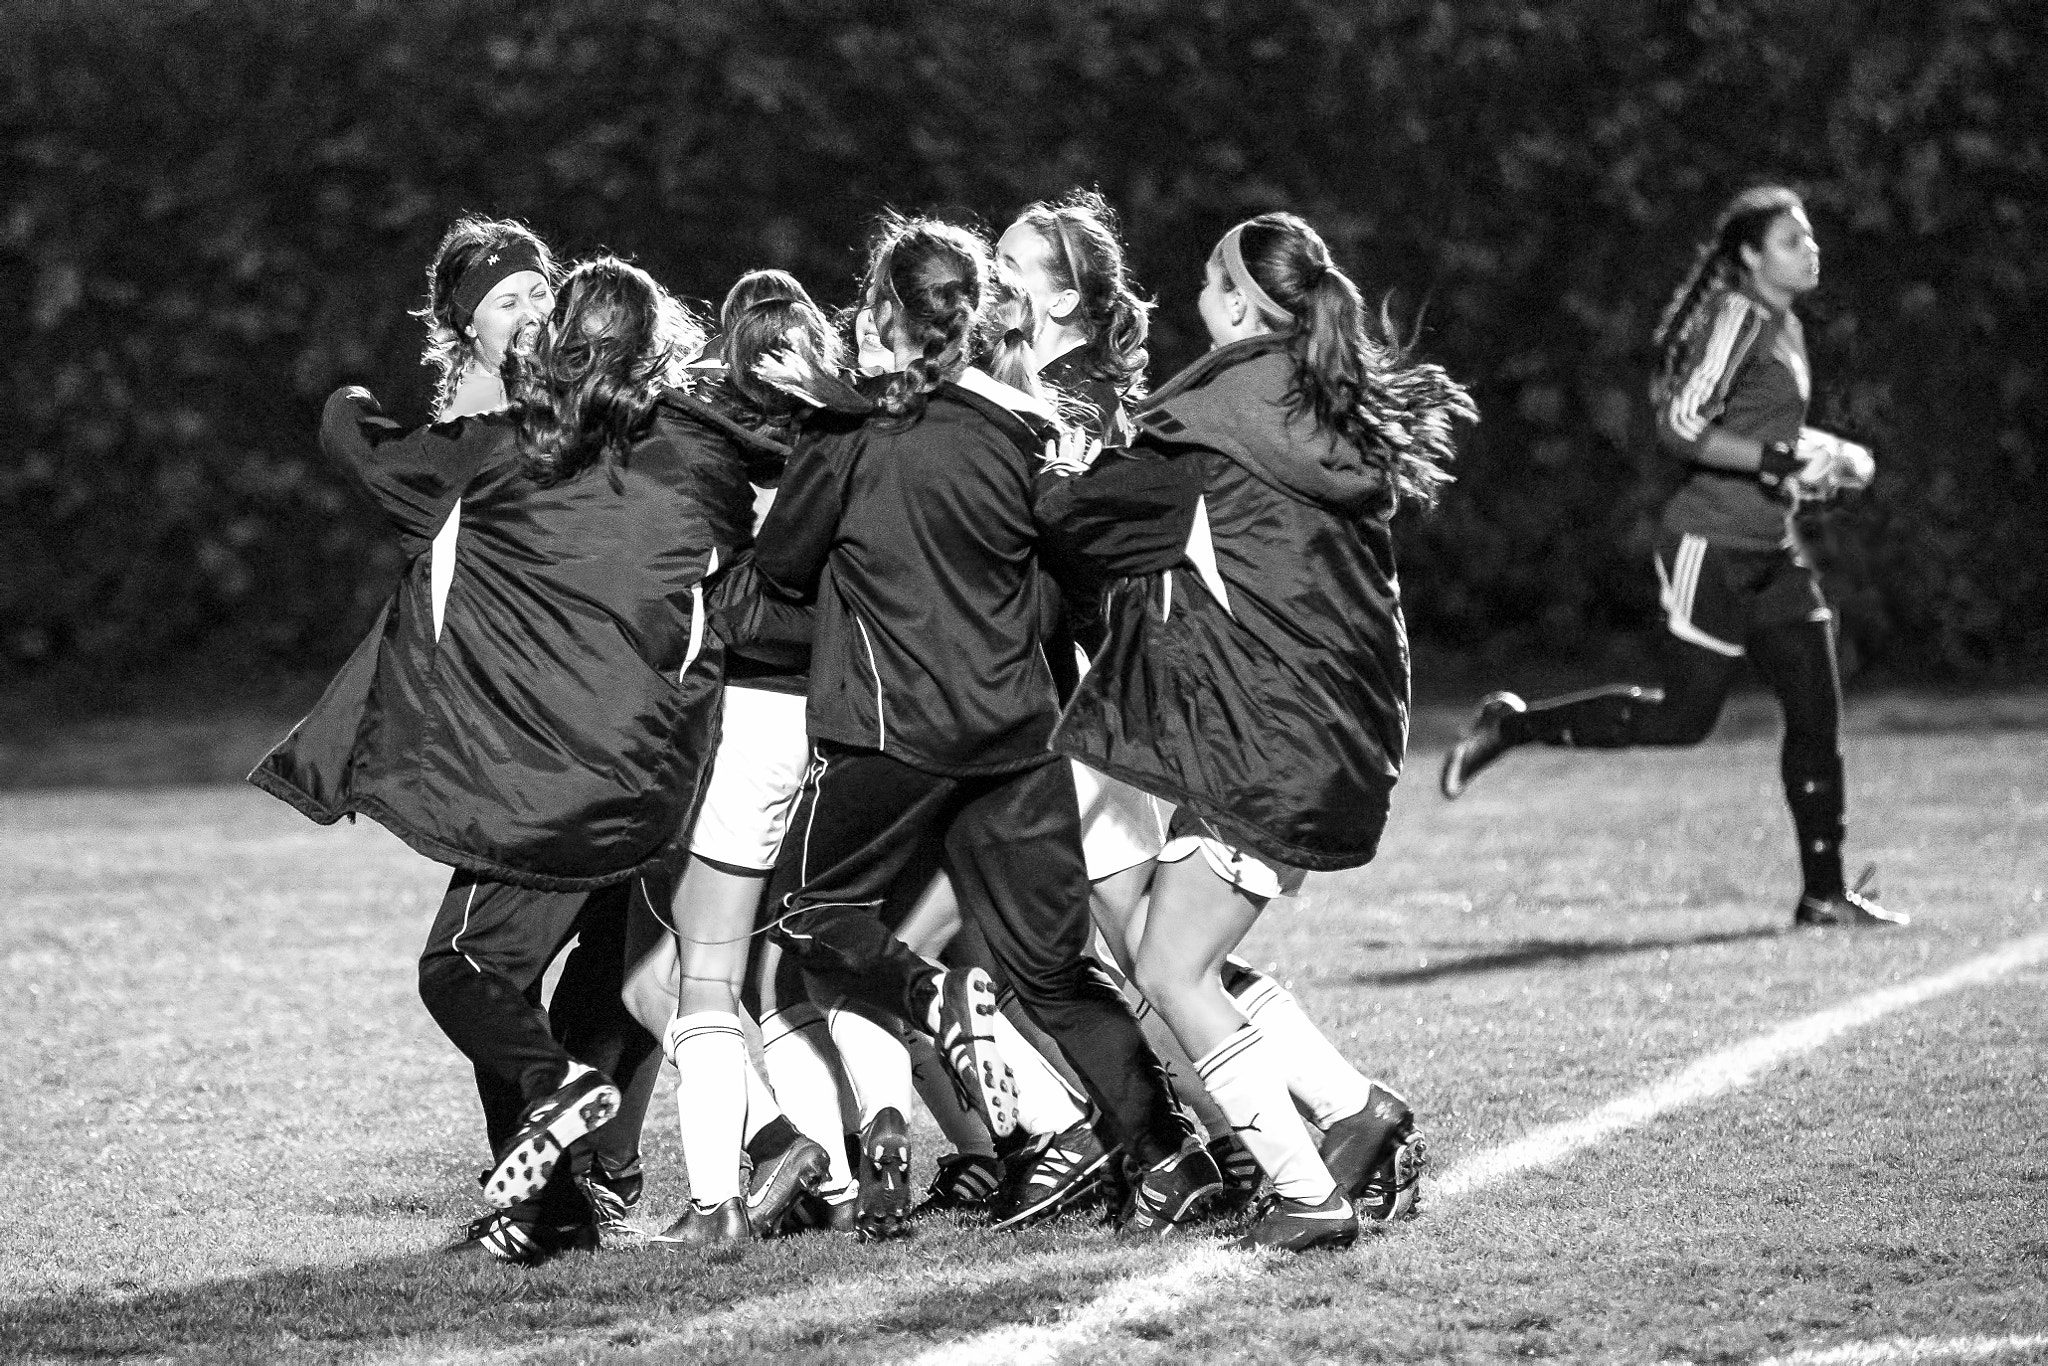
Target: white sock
{"points": [[1325, 1083], [710, 1054], [960, 1122], [874, 1061], [796, 1051], [1246, 1077], [1044, 1103]]}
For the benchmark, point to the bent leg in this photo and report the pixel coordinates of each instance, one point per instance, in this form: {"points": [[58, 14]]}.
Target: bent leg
{"points": [[1797, 661]]}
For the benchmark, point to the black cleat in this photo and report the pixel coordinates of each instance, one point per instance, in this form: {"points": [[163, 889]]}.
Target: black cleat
{"points": [[613, 1199], [1393, 1189], [518, 1241], [550, 1125], [967, 1041], [776, 1182], [813, 1213], [724, 1222], [1356, 1146], [1481, 743], [1856, 907], [1297, 1226], [1060, 1172], [1241, 1173], [1171, 1193], [966, 1182], [884, 1208]]}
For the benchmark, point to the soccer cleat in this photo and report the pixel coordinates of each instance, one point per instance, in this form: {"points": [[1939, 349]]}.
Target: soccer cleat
{"points": [[967, 1009], [812, 1212], [1171, 1193], [724, 1222], [884, 1205], [1393, 1189], [580, 1104], [1481, 743], [1358, 1144], [777, 1181], [1240, 1170], [1064, 1169], [966, 1182], [1297, 1225], [1855, 907], [522, 1242], [612, 1202]]}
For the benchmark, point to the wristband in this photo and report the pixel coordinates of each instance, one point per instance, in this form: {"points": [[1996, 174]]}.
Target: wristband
{"points": [[1780, 462]]}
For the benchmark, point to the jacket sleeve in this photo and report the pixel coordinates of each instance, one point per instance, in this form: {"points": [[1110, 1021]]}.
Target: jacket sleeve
{"points": [[1699, 392], [413, 476], [752, 623], [1130, 513], [797, 536]]}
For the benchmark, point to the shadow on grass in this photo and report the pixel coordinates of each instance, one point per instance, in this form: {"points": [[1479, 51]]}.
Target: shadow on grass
{"points": [[1542, 951]]}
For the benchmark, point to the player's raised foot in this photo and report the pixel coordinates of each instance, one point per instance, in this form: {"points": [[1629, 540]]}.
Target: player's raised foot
{"points": [[1856, 907], [1481, 744], [504, 1236], [966, 1183], [1170, 1193], [777, 1182], [709, 1226], [581, 1103], [1356, 1145], [967, 1040], [1299, 1226], [884, 1208], [1063, 1171], [1240, 1171], [1393, 1189], [613, 1199]]}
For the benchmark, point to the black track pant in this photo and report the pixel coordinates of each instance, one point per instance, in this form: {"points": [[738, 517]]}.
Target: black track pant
{"points": [[1013, 844], [480, 978], [1795, 659]]}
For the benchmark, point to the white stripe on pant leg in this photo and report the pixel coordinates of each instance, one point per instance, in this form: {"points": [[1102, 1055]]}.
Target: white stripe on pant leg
{"points": [[467, 906], [1209, 1270]]}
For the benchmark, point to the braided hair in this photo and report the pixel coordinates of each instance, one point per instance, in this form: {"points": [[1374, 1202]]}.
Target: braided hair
{"points": [[1083, 253], [1717, 267], [589, 387], [927, 281], [468, 241], [1352, 377]]}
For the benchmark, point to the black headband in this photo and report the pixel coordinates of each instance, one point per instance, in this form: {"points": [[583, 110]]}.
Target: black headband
{"points": [[484, 275]]}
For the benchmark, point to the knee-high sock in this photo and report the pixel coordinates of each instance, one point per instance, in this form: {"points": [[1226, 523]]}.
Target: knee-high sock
{"points": [[1044, 1104], [710, 1054], [797, 1050], [1322, 1080], [960, 1122], [762, 1107], [1249, 1083], [874, 1061], [1180, 1068]]}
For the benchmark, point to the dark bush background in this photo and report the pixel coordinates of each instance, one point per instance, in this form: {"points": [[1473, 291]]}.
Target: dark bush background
{"points": [[214, 213]]}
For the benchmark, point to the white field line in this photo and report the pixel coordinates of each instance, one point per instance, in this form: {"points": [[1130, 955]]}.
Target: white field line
{"points": [[1209, 1269], [1886, 1351]]}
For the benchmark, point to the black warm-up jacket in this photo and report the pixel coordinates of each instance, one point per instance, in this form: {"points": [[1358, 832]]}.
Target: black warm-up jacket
{"points": [[1256, 665], [554, 732], [918, 542]]}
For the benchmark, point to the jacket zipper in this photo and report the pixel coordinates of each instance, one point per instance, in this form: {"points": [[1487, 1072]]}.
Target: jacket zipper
{"points": [[881, 716]]}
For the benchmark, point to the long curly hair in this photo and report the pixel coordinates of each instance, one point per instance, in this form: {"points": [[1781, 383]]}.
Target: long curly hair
{"points": [[589, 386], [466, 242], [932, 278], [1353, 373], [1717, 266], [1084, 253]]}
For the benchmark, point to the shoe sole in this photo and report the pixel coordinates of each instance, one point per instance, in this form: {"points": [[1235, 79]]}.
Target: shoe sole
{"points": [[1409, 1160], [1336, 1238], [989, 1083], [883, 1211], [527, 1167], [798, 1169], [1058, 1198]]}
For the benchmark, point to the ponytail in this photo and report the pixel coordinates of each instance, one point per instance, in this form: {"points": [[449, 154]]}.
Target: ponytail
{"points": [[1717, 267], [1353, 375], [1083, 253]]}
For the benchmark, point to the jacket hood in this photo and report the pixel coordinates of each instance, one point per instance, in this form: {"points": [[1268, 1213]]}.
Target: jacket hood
{"points": [[1234, 401]]}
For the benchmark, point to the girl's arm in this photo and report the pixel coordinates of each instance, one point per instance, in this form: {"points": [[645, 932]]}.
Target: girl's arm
{"points": [[796, 537], [414, 476], [1130, 513], [1686, 421]]}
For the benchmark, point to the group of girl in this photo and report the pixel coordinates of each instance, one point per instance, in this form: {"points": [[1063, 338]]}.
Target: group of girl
{"points": [[926, 712]]}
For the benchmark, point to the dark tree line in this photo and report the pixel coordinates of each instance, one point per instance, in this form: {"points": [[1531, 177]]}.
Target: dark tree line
{"points": [[215, 213]]}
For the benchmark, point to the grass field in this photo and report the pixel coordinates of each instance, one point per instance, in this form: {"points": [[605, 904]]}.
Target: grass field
{"points": [[233, 1134]]}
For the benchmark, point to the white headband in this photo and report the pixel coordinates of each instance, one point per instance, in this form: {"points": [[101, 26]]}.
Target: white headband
{"points": [[1241, 277]]}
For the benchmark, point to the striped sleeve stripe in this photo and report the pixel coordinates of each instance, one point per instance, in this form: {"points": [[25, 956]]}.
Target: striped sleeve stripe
{"points": [[1689, 416]]}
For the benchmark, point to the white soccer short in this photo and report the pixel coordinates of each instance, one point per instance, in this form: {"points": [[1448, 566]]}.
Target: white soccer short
{"points": [[1247, 871], [763, 750], [1121, 827]]}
